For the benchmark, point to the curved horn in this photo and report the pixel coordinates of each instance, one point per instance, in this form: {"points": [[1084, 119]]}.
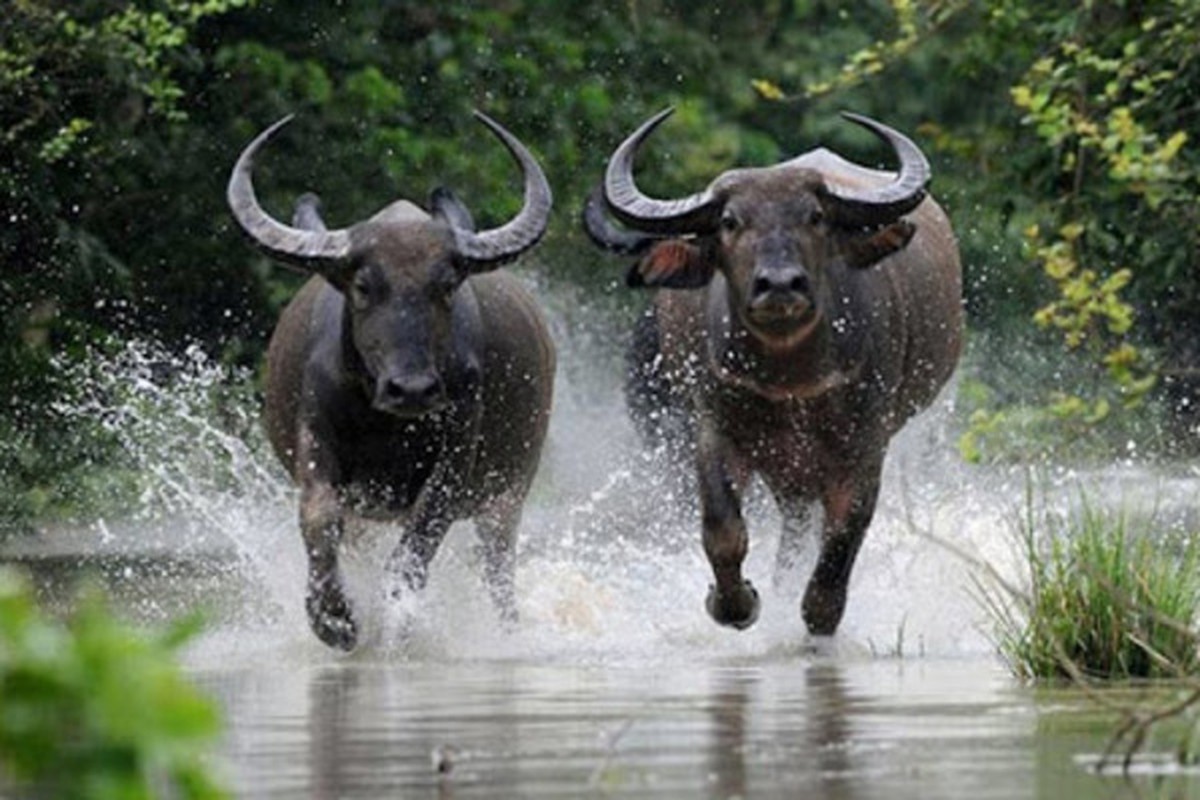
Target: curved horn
{"points": [[693, 214], [605, 234], [881, 205], [310, 250], [493, 247]]}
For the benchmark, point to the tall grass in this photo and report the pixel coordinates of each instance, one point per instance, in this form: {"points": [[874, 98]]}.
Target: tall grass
{"points": [[1106, 599]]}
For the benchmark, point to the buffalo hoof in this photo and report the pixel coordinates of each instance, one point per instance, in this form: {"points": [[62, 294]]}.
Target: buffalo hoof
{"points": [[823, 608], [330, 618], [736, 609]]}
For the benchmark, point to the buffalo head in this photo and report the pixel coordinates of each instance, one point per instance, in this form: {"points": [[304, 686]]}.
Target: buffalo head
{"points": [[783, 237], [399, 271]]}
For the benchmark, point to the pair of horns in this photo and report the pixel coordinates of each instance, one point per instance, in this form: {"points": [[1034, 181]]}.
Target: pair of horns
{"points": [[321, 250], [698, 213]]}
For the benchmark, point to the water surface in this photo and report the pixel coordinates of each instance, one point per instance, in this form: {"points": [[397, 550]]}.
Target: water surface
{"points": [[614, 682], [826, 727]]}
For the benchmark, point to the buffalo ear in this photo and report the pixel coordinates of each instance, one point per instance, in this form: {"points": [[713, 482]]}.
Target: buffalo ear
{"points": [[871, 247], [307, 213], [672, 264], [445, 204]]}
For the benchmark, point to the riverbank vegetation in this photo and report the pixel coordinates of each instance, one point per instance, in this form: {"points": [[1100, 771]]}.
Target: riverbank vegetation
{"points": [[91, 708], [1058, 133], [1107, 597], [1108, 600]]}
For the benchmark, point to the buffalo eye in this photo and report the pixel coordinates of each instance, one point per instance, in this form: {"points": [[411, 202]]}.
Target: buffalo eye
{"points": [[729, 222], [442, 292], [362, 290], [443, 284], [817, 217]]}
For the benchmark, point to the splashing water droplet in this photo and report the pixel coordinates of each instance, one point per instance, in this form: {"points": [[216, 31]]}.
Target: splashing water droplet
{"points": [[610, 564]]}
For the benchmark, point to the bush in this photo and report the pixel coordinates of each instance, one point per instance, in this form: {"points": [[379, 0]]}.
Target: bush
{"points": [[90, 708], [1104, 600]]}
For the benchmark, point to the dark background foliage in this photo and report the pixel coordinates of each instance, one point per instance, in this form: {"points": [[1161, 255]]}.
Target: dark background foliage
{"points": [[120, 122]]}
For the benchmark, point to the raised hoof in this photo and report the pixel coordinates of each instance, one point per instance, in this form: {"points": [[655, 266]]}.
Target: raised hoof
{"points": [[330, 618], [737, 609]]}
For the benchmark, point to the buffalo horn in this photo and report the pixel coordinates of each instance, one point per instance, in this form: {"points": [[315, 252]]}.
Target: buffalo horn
{"points": [[605, 234], [317, 250], [495, 246], [693, 214], [881, 205]]}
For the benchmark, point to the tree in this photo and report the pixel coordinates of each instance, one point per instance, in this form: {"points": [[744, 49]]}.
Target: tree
{"points": [[1095, 99]]}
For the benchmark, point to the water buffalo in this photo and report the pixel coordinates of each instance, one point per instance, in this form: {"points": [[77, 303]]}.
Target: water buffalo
{"points": [[810, 309], [407, 380]]}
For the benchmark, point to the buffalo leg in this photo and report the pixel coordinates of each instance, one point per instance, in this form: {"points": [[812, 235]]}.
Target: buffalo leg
{"points": [[732, 600], [497, 529], [849, 507], [422, 537], [798, 518], [321, 525]]}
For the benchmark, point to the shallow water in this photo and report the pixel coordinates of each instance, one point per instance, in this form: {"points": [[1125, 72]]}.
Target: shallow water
{"points": [[799, 727], [614, 682]]}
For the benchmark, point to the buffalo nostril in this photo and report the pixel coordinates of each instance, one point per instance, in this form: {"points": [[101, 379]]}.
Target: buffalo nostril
{"points": [[412, 389], [780, 285], [429, 390]]}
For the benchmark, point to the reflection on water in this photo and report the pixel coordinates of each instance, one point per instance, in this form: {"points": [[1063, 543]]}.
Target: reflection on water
{"points": [[615, 682], [797, 728]]}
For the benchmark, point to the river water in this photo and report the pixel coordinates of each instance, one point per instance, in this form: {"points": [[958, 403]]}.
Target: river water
{"points": [[614, 682], [796, 727]]}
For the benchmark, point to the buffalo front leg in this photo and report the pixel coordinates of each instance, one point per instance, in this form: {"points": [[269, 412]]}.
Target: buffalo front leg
{"points": [[432, 512], [799, 517], [732, 600], [321, 524], [423, 535], [497, 529], [849, 507]]}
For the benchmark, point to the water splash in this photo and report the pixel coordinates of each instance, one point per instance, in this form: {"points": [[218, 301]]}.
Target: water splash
{"points": [[610, 564], [212, 502]]}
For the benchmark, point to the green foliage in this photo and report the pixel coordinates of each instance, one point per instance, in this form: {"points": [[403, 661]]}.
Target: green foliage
{"points": [[90, 95], [119, 121], [1086, 125], [1091, 313], [91, 709], [1023, 400], [1092, 103], [915, 22], [1102, 104], [1105, 599]]}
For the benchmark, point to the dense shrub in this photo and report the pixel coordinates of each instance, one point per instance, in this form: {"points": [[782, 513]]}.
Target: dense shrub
{"points": [[92, 709]]}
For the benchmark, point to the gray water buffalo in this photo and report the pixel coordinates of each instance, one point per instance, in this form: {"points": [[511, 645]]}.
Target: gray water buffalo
{"points": [[809, 309], [407, 380]]}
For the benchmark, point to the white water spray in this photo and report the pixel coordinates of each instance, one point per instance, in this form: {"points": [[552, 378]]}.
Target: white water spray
{"points": [[610, 565]]}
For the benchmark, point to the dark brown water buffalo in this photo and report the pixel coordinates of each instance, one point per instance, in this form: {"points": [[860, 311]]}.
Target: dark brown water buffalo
{"points": [[812, 307], [407, 380]]}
